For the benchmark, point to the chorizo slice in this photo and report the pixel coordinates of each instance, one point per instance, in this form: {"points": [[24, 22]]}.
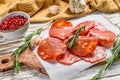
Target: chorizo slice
{"points": [[98, 55], [51, 49], [88, 25], [61, 29], [69, 59], [84, 46]]}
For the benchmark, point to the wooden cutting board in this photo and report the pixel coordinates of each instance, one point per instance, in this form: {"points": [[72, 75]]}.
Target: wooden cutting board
{"points": [[27, 58]]}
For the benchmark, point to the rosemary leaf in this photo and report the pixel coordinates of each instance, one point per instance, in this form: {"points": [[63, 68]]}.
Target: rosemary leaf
{"points": [[117, 43], [37, 32], [72, 41], [17, 64], [29, 37]]}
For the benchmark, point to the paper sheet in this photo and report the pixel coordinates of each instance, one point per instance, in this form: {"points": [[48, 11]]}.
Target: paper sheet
{"points": [[59, 71]]}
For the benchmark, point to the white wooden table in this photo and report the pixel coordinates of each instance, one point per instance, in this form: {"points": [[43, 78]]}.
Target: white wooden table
{"points": [[113, 73]]}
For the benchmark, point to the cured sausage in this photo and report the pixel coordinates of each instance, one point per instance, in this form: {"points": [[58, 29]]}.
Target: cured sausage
{"points": [[98, 55], [90, 45], [69, 59], [106, 38], [51, 49], [84, 46], [61, 29], [88, 25]]}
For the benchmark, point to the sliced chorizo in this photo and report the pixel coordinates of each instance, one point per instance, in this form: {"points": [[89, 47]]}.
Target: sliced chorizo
{"points": [[106, 38], [69, 59], [51, 49], [88, 25], [99, 54], [61, 29], [84, 46]]}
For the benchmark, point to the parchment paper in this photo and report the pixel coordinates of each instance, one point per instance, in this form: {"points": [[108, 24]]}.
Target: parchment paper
{"points": [[58, 71]]}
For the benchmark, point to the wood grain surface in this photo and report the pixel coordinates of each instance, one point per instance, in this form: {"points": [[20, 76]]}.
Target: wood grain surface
{"points": [[7, 47]]}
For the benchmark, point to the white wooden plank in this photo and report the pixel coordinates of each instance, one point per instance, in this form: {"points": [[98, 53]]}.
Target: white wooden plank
{"points": [[118, 24], [115, 20], [10, 46], [24, 75], [115, 77], [38, 78], [12, 41], [9, 51], [6, 48], [111, 15], [9, 75]]}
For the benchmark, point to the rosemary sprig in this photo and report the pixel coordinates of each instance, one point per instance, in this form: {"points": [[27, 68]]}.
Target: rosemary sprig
{"points": [[16, 53], [73, 39], [110, 60]]}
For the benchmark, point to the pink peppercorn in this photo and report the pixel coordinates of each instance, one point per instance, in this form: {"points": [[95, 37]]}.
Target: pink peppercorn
{"points": [[13, 23]]}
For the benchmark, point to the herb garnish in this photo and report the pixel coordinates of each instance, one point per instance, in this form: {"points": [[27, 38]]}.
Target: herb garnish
{"points": [[73, 39], [110, 60], [16, 53]]}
